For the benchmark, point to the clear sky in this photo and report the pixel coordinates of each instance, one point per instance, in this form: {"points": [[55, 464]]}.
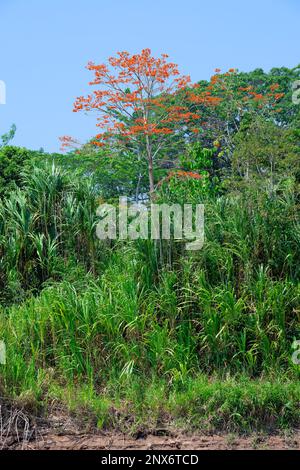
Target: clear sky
{"points": [[45, 45]]}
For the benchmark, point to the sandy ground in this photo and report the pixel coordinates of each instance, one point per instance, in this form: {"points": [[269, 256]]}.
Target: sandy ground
{"points": [[19, 430], [112, 441]]}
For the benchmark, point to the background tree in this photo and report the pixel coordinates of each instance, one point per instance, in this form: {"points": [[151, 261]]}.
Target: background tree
{"points": [[6, 138], [265, 151], [13, 161], [237, 95], [114, 174], [142, 100]]}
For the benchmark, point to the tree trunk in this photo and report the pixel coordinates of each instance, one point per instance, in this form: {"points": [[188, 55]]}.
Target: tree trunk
{"points": [[151, 178], [150, 168]]}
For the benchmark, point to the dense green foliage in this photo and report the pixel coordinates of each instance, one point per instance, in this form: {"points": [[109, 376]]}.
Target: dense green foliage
{"points": [[128, 311], [12, 162], [146, 329]]}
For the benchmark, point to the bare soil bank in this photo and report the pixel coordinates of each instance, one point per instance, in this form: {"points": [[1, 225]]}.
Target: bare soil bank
{"points": [[20, 430], [111, 441]]}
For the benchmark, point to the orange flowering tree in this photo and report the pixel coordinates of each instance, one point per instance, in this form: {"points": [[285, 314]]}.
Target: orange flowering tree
{"points": [[234, 98], [68, 142], [141, 101]]}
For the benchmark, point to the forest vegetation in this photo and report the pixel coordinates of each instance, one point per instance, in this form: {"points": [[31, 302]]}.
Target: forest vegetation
{"points": [[130, 334]]}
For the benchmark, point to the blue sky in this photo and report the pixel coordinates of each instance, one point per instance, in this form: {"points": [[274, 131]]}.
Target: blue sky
{"points": [[45, 46]]}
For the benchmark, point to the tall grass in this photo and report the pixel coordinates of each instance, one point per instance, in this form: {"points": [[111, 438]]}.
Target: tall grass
{"points": [[49, 223], [109, 317]]}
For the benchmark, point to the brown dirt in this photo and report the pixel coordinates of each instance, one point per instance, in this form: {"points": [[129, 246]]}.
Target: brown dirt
{"points": [[118, 441], [19, 430]]}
